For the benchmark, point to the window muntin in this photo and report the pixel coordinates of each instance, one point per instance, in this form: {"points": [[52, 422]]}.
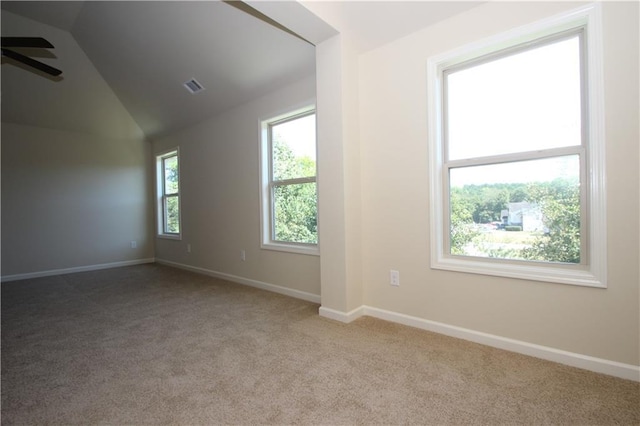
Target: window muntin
{"points": [[568, 153], [289, 182], [169, 194]]}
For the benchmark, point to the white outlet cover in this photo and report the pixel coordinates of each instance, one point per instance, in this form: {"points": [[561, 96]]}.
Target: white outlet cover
{"points": [[394, 278]]}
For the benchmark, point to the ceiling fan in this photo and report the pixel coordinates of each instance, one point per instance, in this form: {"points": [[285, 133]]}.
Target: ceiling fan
{"points": [[28, 42]]}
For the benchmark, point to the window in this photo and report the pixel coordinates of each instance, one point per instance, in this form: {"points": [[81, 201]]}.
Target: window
{"points": [[517, 154], [289, 191], [168, 194]]}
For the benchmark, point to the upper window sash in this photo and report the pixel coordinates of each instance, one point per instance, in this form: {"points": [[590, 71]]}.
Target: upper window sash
{"points": [[497, 134], [169, 188]]}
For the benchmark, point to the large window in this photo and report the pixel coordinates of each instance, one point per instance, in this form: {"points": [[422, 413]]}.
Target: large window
{"points": [[517, 154], [289, 191], [168, 181]]}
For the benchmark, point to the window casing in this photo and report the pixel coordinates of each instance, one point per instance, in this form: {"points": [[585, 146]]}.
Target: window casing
{"points": [[563, 139], [288, 182], [168, 198]]}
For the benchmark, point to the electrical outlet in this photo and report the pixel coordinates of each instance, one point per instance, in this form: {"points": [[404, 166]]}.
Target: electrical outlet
{"points": [[394, 278], [188, 248], [243, 255], [134, 244]]}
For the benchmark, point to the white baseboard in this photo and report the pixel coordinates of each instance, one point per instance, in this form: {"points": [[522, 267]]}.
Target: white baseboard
{"points": [[598, 365], [341, 316], [309, 297], [52, 272]]}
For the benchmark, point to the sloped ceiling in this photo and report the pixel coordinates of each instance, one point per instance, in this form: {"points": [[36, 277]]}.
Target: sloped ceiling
{"points": [[81, 101], [145, 51], [60, 14], [160, 45]]}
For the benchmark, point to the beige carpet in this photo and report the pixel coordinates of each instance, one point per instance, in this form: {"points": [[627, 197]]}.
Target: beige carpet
{"points": [[155, 345]]}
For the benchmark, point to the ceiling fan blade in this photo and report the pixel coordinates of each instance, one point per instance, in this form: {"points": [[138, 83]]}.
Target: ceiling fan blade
{"points": [[31, 62], [37, 42]]}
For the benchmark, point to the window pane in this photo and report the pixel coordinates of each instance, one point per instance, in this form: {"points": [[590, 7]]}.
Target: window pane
{"points": [[170, 165], [294, 148], [524, 102], [295, 213], [171, 215], [528, 210]]}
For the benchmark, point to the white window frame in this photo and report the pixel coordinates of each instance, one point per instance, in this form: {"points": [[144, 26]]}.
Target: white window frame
{"points": [[267, 229], [161, 195], [592, 271]]}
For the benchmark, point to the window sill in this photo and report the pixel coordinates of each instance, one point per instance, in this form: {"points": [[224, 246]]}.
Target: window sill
{"points": [[553, 273], [177, 237], [310, 250]]}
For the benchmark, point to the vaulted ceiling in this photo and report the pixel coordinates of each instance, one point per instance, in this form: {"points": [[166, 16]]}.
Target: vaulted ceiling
{"points": [[124, 62], [145, 51]]}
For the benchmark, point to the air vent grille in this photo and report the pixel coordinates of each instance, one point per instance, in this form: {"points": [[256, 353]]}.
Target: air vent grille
{"points": [[193, 86]]}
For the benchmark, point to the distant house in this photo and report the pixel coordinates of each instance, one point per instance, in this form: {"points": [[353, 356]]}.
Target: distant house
{"points": [[524, 214]]}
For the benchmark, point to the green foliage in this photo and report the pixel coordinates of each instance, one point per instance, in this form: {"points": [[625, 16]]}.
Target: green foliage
{"points": [[462, 230], [296, 213], [503, 253], [487, 201], [172, 218], [473, 204], [295, 204], [287, 166], [559, 201], [170, 175]]}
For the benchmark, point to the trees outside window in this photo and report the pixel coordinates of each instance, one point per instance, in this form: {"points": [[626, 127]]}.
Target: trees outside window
{"points": [[289, 190], [537, 219]]}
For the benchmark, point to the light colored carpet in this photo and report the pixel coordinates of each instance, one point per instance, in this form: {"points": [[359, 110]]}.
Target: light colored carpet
{"points": [[155, 345]]}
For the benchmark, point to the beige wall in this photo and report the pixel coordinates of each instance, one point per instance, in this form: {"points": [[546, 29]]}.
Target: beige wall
{"points": [[75, 166], [72, 200], [220, 201], [602, 323]]}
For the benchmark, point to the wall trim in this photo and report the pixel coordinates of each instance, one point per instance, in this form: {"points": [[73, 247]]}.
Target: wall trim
{"points": [[298, 294], [598, 365], [342, 316], [63, 271]]}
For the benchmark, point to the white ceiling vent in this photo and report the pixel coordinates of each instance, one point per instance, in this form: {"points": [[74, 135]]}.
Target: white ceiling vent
{"points": [[193, 86]]}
